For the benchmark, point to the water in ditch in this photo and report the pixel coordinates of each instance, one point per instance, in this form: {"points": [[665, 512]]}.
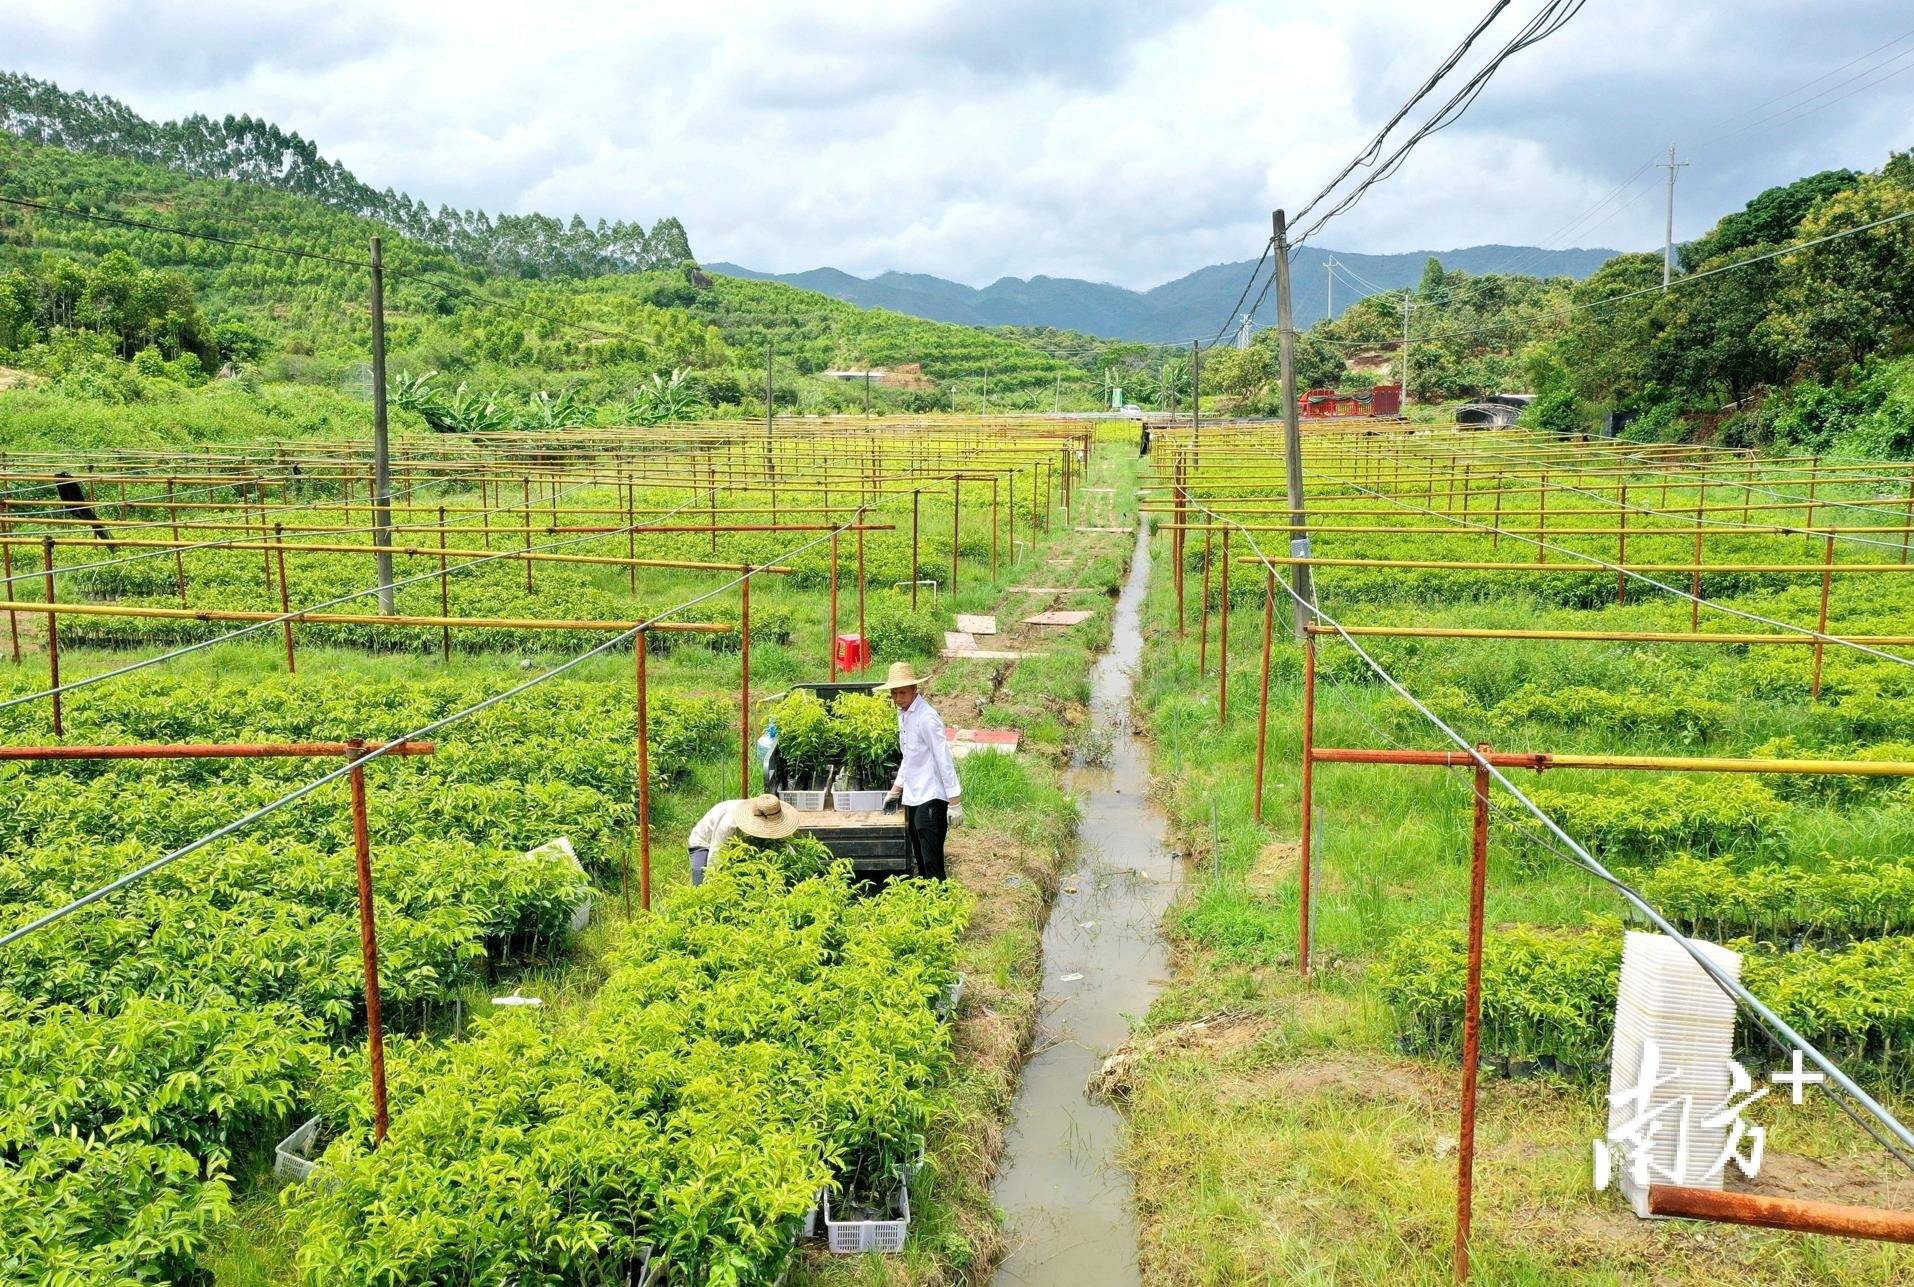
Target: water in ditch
{"points": [[1063, 1188]]}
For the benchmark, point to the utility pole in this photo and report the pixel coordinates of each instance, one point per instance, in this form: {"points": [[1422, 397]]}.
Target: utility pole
{"points": [[1196, 395], [381, 461], [1668, 237], [1405, 351], [768, 404], [1301, 580], [867, 392], [1329, 267], [985, 409], [1058, 408]]}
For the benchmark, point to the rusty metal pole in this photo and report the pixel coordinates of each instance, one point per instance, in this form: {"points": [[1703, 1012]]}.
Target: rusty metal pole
{"points": [[179, 558], [1621, 552], [13, 618], [368, 943], [744, 688], [831, 644], [1821, 626], [631, 538], [639, 651], [1694, 581], [1472, 1023], [527, 524], [1203, 618], [916, 496], [1797, 1215], [53, 637], [445, 596], [1907, 521], [1309, 802], [956, 527], [1222, 642], [994, 525], [1262, 709], [1541, 535], [864, 650], [285, 599]]}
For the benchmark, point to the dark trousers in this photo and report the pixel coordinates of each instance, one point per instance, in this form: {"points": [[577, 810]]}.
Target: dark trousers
{"points": [[924, 828]]}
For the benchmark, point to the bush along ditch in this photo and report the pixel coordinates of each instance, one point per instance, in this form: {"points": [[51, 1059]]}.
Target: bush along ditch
{"points": [[764, 1039]]}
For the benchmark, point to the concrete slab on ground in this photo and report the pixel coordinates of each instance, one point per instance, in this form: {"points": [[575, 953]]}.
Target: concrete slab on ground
{"points": [[976, 623], [1060, 618]]}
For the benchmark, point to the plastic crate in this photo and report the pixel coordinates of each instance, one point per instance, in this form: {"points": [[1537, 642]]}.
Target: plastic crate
{"points": [[808, 801], [857, 801], [292, 1159], [856, 1237], [946, 1005]]}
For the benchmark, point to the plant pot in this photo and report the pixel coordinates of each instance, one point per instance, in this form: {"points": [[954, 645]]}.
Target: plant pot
{"points": [[856, 1237]]}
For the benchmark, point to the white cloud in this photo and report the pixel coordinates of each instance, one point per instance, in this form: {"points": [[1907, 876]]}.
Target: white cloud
{"points": [[1128, 141]]}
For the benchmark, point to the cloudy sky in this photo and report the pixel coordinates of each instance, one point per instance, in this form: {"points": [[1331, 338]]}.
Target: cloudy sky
{"points": [[1120, 140]]}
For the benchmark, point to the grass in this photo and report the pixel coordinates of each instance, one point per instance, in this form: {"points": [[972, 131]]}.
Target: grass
{"points": [[1307, 1149]]}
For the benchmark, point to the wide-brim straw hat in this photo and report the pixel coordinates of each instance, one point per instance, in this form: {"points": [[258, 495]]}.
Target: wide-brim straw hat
{"points": [[765, 817], [901, 676]]}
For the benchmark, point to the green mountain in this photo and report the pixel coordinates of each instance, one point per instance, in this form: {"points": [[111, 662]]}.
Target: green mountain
{"points": [[1192, 306]]}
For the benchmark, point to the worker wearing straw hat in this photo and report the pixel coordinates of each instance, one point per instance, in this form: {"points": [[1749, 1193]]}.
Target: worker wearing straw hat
{"points": [[927, 775], [761, 818]]}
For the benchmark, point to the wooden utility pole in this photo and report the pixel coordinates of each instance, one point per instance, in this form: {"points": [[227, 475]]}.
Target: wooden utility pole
{"points": [[1302, 582]]}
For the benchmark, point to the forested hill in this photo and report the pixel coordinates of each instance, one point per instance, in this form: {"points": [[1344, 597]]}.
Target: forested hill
{"points": [[247, 150], [116, 333]]}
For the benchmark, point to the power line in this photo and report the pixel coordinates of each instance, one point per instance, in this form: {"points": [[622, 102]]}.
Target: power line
{"points": [[1368, 153], [1551, 18]]}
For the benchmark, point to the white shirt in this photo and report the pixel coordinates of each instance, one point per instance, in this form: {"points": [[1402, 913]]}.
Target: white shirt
{"points": [[927, 772], [715, 827]]}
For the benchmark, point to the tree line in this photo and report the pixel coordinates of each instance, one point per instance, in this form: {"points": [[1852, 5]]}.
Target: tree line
{"points": [[245, 149]]}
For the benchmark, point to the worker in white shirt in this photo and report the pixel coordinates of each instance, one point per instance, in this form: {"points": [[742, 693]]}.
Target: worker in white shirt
{"points": [[927, 775], [763, 817]]}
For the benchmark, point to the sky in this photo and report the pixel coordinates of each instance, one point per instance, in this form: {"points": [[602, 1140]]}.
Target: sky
{"points": [[1128, 141]]}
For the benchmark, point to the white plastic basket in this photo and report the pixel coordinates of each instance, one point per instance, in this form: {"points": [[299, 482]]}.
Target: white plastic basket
{"points": [[858, 801], [946, 1005], [292, 1159], [854, 1237], [581, 914], [809, 801]]}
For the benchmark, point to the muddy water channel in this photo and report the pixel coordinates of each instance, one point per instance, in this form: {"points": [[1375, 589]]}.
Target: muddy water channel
{"points": [[1063, 1187]]}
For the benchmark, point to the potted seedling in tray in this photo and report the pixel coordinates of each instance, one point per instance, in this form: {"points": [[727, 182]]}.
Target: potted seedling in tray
{"points": [[867, 750], [807, 749]]}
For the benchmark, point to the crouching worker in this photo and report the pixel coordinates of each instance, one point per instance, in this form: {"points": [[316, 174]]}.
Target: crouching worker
{"points": [[762, 817], [927, 776]]}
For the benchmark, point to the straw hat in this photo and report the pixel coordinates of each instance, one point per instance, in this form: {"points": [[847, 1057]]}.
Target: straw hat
{"points": [[901, 676], [765, 817]]}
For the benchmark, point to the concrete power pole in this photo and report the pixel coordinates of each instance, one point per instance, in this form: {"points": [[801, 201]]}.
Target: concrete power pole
{"points": [[768, 412], [1668, 236], [381, 460], [1405, 352], [1196, 395], [1302, 582], [1329, 308]]}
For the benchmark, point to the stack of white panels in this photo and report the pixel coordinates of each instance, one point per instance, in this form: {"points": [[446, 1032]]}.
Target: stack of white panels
{"points": [[1666, 998]]}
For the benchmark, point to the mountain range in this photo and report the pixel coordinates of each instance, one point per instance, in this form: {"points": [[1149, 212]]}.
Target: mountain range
{"points": [[1193, 306]]}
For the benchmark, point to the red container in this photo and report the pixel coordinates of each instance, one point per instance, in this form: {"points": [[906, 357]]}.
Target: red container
{"points": [[853, 652]]}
